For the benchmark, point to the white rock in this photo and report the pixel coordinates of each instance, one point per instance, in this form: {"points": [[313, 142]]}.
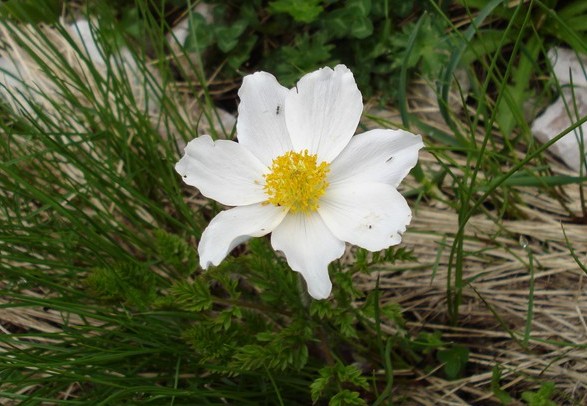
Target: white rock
{"points": [[558, 117], [570, 71], [568, 67], [84, 32]]}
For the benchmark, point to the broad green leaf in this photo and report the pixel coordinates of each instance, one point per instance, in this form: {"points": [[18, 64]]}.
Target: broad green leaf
{"points": [[455, 359], [359, 7], [362, 28], [227, 37], [303, 11], [242, 53], [337, 24], [199, 34]]}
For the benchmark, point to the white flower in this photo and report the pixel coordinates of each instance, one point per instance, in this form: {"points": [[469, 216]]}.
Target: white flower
{"points": [[297, 172]]}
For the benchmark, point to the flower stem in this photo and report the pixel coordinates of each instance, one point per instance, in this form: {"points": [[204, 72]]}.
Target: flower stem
{"points": [[305, 298]]}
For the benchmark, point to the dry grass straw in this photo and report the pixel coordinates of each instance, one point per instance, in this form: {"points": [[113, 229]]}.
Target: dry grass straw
{"points": [[83, 56], [46, 78], [497, 263]]}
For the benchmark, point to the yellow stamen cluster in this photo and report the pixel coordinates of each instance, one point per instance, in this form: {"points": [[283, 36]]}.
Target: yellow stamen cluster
{"points": [[296, 181]]}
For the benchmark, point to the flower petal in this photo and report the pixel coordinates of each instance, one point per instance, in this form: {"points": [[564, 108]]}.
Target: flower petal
{"points": [[384, 156], [370, 215], [235, 226], [309, 247], [261, 117], [323, 110], [223, 170]]}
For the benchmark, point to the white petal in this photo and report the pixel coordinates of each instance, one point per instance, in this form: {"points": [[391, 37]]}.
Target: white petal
{"points": [[309, 247], [384, 156], [261, 117], [370, 215], [223, 170], [235, 226], [322, 112]]}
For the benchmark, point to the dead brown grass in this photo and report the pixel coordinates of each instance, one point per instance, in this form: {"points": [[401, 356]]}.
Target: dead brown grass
{"points": [[497, 265]]}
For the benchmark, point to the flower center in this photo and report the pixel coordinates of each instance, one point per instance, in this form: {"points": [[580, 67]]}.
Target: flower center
{"points": [[296, 181]]}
